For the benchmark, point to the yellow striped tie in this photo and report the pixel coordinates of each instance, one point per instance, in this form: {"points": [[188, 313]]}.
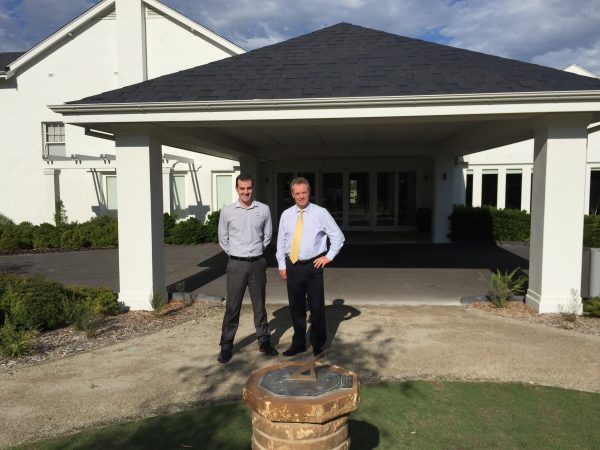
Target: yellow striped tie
{"points": [[295, 251]]}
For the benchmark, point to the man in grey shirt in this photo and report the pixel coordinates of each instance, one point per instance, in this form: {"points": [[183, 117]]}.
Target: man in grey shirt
{"points": [[245, 230]]}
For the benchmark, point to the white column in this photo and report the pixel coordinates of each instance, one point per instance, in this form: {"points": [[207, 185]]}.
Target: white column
{"points": [[131, 41], [139, 195], [51, 193], [249, 165], [443, 175], [526, 189], [477, 187], [166, 189], [501, 199], [460, 185], [557, 216]]}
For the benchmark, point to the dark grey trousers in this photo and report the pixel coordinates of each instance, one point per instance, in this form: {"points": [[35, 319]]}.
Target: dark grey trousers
{"points": [[239, 275]]}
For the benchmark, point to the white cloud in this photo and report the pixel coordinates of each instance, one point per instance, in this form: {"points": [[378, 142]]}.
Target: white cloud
{"points": [[549, 32]]}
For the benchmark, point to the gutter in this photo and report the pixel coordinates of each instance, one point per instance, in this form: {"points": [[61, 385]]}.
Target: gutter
{"points": [[325, 103]]}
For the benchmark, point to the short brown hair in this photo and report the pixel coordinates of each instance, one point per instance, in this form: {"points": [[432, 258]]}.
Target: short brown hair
{"points": [[244, 177], [299, 180]]}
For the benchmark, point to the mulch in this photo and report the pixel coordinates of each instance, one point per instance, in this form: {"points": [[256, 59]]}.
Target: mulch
{"points": [[520, 311], [110, 330]]}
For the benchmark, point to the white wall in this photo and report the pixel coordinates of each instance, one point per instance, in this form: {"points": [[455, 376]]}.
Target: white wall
{"points": [[82, 65], [519, 156]]}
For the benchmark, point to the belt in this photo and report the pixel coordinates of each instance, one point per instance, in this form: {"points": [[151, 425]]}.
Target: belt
{"points": [[308, 261], [248, 259]]}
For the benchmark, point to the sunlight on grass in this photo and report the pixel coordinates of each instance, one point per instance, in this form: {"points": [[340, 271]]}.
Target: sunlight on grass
{"points": [[393, 415]]}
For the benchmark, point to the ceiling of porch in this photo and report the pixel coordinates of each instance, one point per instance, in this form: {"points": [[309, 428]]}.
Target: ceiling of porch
{"points": [[350, 137]]}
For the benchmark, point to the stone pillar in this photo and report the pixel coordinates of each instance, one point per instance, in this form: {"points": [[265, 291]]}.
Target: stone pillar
{"points": [[51, 193], [166, 189], [131, 41], [556, 243], [139, 195], [443, 174]]}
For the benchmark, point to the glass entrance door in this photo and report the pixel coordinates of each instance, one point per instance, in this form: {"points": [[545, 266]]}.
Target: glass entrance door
{"points": [[333, 195], [359, 203], [407, 198]]}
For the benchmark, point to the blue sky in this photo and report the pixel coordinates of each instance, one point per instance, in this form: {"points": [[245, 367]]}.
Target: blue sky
{"points": [[554, 33]]}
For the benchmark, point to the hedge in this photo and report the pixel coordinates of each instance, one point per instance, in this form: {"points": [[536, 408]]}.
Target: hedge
{"points": [[489, 223], [98, 232]]}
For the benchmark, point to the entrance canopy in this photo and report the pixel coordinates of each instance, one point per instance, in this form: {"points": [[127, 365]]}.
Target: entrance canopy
{"points": [[348, 92]]}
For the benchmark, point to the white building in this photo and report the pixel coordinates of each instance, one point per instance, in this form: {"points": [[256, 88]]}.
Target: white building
{"points": [[113, 44], [501, 177], [382, 125]]}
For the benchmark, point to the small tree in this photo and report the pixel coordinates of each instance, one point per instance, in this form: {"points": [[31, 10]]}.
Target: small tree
{"points": [[503, 284]]}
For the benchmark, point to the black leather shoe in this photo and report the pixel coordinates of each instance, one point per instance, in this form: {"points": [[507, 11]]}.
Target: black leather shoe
{"points": [[267, 349], [317, 351], [224, 356], [294, 351]]}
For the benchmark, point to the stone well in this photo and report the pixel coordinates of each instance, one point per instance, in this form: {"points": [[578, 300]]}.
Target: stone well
{"points": [[301, 413]]}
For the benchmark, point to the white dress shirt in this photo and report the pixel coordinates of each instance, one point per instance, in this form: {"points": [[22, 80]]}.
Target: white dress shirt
{"points": [[317, 226]]}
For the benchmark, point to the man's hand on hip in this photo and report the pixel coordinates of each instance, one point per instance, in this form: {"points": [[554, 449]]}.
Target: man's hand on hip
{"points": [[283, 274], [321, 262]]}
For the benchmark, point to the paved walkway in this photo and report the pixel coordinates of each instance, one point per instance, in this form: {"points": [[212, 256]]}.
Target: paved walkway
{"points": [[176, 368], [383, 273]]}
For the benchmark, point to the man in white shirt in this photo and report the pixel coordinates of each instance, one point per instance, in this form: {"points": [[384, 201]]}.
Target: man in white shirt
{"points": [[302, 254], [245, 230]]}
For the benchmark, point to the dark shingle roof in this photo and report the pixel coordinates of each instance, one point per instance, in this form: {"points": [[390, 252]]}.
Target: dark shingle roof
{"points": [[7, 58], [346, 60]]}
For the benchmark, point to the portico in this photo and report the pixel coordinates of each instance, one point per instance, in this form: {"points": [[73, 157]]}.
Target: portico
{"points": [[376, 155]]}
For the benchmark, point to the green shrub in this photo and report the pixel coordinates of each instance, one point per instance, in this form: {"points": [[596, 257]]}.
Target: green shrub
{"points": [[189, 231], [169, 222], [5, 220], [102, 299], [503, 284], [489, 223], [211, 227], [592, 306], [34, 302], [81, 314], [15, 342], [98, 232], [60, 215], [26, 231], [471, 223], [591, 231], [46, 236], [511, 224], [9, 240], [157, 301]]}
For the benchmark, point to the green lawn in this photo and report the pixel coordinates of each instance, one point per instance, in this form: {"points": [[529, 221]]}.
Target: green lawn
{"points": [[394, 415]]}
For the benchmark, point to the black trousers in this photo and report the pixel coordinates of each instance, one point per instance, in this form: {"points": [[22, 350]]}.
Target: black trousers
{"points": [[305, 285], [239, 275]]}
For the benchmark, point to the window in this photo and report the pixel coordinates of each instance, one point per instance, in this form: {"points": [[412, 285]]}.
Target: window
{"points": [[111, 195], [224, 190], [178, 198], [53, 135], [469, 190], [595, 192], [489, 188], [514, 181]]}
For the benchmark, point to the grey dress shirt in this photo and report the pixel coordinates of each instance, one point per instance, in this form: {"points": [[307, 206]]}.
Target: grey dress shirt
{"points": [[245, 232]]}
